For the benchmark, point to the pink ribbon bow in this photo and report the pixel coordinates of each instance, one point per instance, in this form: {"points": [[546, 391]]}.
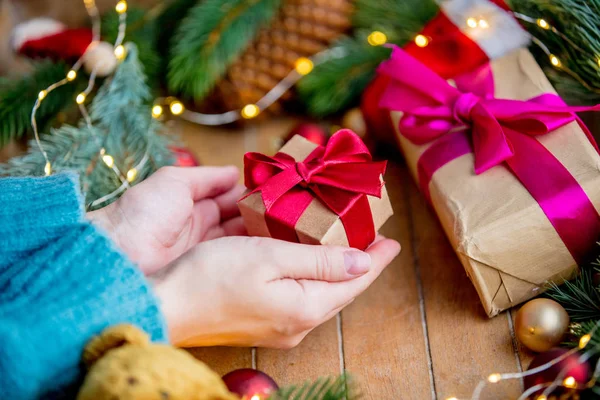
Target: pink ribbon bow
{"points": [[500, 132], [340, 175]]}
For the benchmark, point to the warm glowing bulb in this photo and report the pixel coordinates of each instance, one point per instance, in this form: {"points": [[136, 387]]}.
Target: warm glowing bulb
{"points": [[120, 52], [80, 99], [131, 174], [71, 75], [250, 111], [451, 398], [304, 66], [494, 378], [483, 24], [541, 397], [42, 95], [377, 38], [108, 160], [157, 111], [584, 340], [421, 40], [121, 6], [48, 168], [543, 24], [255, 397], [472, 22], [570, 382], [176, 107], [554, 60]]}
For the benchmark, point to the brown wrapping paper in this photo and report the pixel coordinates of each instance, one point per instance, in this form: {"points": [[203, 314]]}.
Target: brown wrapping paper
{"points": [[318, 224], [507, 245]]}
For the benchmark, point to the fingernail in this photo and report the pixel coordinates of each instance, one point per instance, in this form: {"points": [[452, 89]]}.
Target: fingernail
{"points": [[357, 262]]}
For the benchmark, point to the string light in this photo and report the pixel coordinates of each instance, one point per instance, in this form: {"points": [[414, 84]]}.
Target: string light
{"points": [[157, 111], [584, 340], [42, 95], [451, 398], [80, 99], [48, 168], [554, 61], [421, 40], [542, 23], [255, 397], [176, 107], [377, 38], [120, 52], [108, 160], [472, 22], [132, 174], [483, 24], [121, 6], [250, 111], [541, 397], [570, 382], [304, 66], [494, 378], [71, 75]]}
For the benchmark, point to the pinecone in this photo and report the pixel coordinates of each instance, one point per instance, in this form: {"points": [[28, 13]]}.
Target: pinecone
{"points": [[301, 29]]}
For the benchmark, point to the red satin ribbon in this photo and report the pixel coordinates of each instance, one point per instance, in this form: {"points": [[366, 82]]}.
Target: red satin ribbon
{"points": [[340, 175], [501, 132]]}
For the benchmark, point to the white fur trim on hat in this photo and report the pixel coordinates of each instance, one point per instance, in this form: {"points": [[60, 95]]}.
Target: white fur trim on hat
{"points": [[34, 29], [497, 36]]}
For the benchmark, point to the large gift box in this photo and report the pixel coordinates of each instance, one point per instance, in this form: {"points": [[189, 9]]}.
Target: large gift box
{"points": [[515, 184], [312, 194]]}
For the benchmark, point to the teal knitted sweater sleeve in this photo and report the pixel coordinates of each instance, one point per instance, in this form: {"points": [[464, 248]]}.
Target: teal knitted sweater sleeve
{"points": [[61, 282]]}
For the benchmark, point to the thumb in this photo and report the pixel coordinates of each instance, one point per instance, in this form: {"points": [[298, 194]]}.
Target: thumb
{"points": [[323, 263]]}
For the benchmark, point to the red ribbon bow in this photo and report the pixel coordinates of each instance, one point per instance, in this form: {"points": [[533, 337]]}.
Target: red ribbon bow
{"points": [[500, 131], [340, 175]]}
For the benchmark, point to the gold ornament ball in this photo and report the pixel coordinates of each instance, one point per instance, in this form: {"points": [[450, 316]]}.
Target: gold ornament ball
{"points": [[541, 324]]}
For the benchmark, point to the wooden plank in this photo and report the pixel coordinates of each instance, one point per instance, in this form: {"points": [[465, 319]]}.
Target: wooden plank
{"points": [[465, 345], [223, 359], [383, 342]]}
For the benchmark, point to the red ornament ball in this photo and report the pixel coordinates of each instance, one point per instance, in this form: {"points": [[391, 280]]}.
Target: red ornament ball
{"points": [[184, 157], [567, 368], [312, 132], [250, 384]]}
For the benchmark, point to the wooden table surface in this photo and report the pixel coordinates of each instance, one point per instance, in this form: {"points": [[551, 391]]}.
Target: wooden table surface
{"points": [[418, 332]]}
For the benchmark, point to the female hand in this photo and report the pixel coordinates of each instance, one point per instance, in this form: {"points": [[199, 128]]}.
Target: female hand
{"points": [[162, 217], [241, 291]]}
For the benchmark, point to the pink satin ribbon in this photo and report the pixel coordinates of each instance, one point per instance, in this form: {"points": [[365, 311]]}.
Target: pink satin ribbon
{"points": [[340, 175], [499, 132]]}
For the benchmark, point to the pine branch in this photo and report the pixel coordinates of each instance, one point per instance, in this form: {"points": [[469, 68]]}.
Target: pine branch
{"points": [[328, 388], [580, 22], [142, 31], [17, 98], [210, 38], [121, 124], [337, 83]]}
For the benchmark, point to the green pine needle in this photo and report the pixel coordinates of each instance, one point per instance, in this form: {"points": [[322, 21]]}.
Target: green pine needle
{"points": [[121, 123], [337, 83], [328, 388], [580, 21], [17, 97], [210, 38]]}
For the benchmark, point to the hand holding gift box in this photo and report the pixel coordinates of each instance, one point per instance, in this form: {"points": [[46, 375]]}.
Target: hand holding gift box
{"points": [[316, 195], [514, 178]]}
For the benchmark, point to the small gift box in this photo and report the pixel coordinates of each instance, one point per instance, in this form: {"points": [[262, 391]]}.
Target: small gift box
{"points": [[512, 173], [316, 195]]}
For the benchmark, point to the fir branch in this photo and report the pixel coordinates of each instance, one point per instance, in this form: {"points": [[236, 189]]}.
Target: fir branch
{"points": [[337, 83], [580, 22], [210, 38], [17, 98], [399, 20], [141, 30], [121, 124], [328, 388]]}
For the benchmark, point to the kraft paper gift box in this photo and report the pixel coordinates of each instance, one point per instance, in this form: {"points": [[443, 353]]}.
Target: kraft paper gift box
{"points": [[317, 223], [506, 243]]}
